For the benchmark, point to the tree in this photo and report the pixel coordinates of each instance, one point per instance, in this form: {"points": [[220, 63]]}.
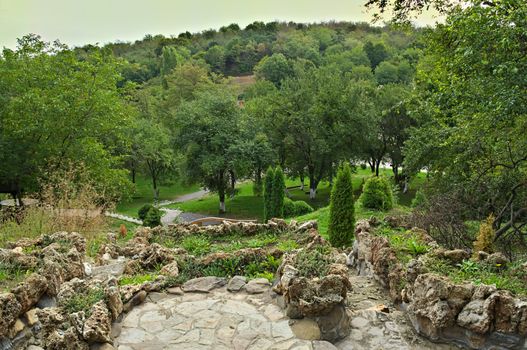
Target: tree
{"points": [[274, 68], [153, 148], [278, 193], [215, 57], [208, 133], [377, 194], [376, 53], [472, 116], [57, 109], [342, 209], [268, 194]]}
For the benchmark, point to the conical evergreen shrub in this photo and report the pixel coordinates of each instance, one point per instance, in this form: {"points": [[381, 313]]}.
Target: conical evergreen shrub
{"points": [[342, 209], [278, 193], [268, 194]]}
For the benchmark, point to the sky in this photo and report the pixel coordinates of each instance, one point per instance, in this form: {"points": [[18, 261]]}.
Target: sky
{"points": [[80, 22]]}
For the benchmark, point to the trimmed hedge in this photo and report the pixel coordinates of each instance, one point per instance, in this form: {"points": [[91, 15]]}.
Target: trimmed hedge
{"points": [[342, 209], [296, 208], [377, 194]]}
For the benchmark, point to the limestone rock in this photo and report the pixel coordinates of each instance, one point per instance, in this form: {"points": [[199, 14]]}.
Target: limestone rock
{"points": [[97, 327], [29, 292], [306, 329], [323, 345], [170, 270], [10, 308], [203, 284], [175, 291], [114, 301], [137, 299], [257, 286], [456, 256], [68, 340], [498, 259], [31, 317], [236, 283]]}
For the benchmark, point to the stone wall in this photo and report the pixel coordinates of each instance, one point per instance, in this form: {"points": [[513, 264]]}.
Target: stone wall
{"points": [[475, 317]]}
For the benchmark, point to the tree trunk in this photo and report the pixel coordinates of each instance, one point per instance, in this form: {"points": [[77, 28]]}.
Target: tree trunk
{"points": [[221, 194], [233, 182], [133, 175], [302, 179], [372, 165], [313, 184], [156, 191], [377, 164]]}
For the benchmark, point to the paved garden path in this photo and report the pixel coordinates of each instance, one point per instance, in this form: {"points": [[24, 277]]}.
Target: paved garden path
{"points": [[221, 320]]}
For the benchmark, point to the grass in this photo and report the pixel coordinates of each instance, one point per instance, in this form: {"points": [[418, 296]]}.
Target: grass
{"points": [[136, 279], [247, 206], [144, 194], [407, 243]]}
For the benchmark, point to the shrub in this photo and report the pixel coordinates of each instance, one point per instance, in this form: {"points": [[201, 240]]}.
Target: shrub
{"points": [[268, 194], [143, 211], [153, 217], [278, 193], [419, 200], [341, 209], [363, 166], [377, 194], [485, 239], [302, 208], [289, 208]]}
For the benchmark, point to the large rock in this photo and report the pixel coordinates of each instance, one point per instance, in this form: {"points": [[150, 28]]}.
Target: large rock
{"points": [[10, 308], [236, 283], [257, 286], [98, 326], [29, 292], [203, 284], [170, 270]]}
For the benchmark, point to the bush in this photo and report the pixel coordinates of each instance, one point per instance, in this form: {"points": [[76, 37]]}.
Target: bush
{"points": [[419, 200], [268, 194], [377, 194], [296, 208], [342, 209], [141, 213], [153, 217], [302, 208], [485, 239], [278, 193]]}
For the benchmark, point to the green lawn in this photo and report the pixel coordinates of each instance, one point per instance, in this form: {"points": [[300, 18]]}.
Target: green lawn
{"points": [[246, 206], [144, 194]]}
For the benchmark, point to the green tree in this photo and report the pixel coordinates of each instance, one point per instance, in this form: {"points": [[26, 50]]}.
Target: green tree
{"points": [[268, 194], [215, 57], [208, 133], [376, 53], [57, 109], [274, 68], [278, 192], [342, 209], [377, 194]]}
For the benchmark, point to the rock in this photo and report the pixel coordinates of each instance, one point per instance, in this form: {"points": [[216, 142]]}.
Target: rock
{"points": [[114, 301], [50, 319], [335, 325], [34, 347], [31, 317], [10, 308], [236, 283], [68, 340], [28, 293], [323, 345], [257, 286], [498, 259], [288, 273], [175, 291], [456, 256], [87, 269], [17, 327], [137, 299], [97, 327], [203, 284], [103, 346], [306, 329], [46, 302], [170, 270], [155, 255], [481, 255]]}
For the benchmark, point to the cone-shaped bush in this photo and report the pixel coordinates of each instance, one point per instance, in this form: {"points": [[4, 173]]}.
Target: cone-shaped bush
{"points": [[268, 194], [278, 193], [342, 209]]}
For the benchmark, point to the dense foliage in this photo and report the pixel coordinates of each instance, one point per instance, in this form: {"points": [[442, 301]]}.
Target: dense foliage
{"points": [[377, 194], [342, 209]]}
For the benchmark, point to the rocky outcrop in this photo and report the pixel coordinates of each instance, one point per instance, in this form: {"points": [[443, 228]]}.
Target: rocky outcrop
{"points": [[320, 301], [477, 317]]}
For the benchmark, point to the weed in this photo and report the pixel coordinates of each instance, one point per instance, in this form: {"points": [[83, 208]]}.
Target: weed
{"points": [[287, 245], [136, 279], [196, 245], [83, 301]]}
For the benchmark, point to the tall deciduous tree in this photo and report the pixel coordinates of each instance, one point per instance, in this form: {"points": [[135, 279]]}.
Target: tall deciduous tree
{"points": [[208, 134], [57, 109]]}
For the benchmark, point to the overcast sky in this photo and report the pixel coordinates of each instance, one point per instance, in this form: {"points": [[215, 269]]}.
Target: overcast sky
{"points": [[79, 22]]}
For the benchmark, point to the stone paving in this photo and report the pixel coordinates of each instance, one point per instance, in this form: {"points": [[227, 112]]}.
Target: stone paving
{"points": [[221, 320]]}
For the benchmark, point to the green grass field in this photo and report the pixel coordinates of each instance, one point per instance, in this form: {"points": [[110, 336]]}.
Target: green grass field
{"points": [[246, 206], [144, 194]]}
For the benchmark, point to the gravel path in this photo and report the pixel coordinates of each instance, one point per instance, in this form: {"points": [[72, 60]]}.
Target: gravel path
{"points": [[185, 198]]}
